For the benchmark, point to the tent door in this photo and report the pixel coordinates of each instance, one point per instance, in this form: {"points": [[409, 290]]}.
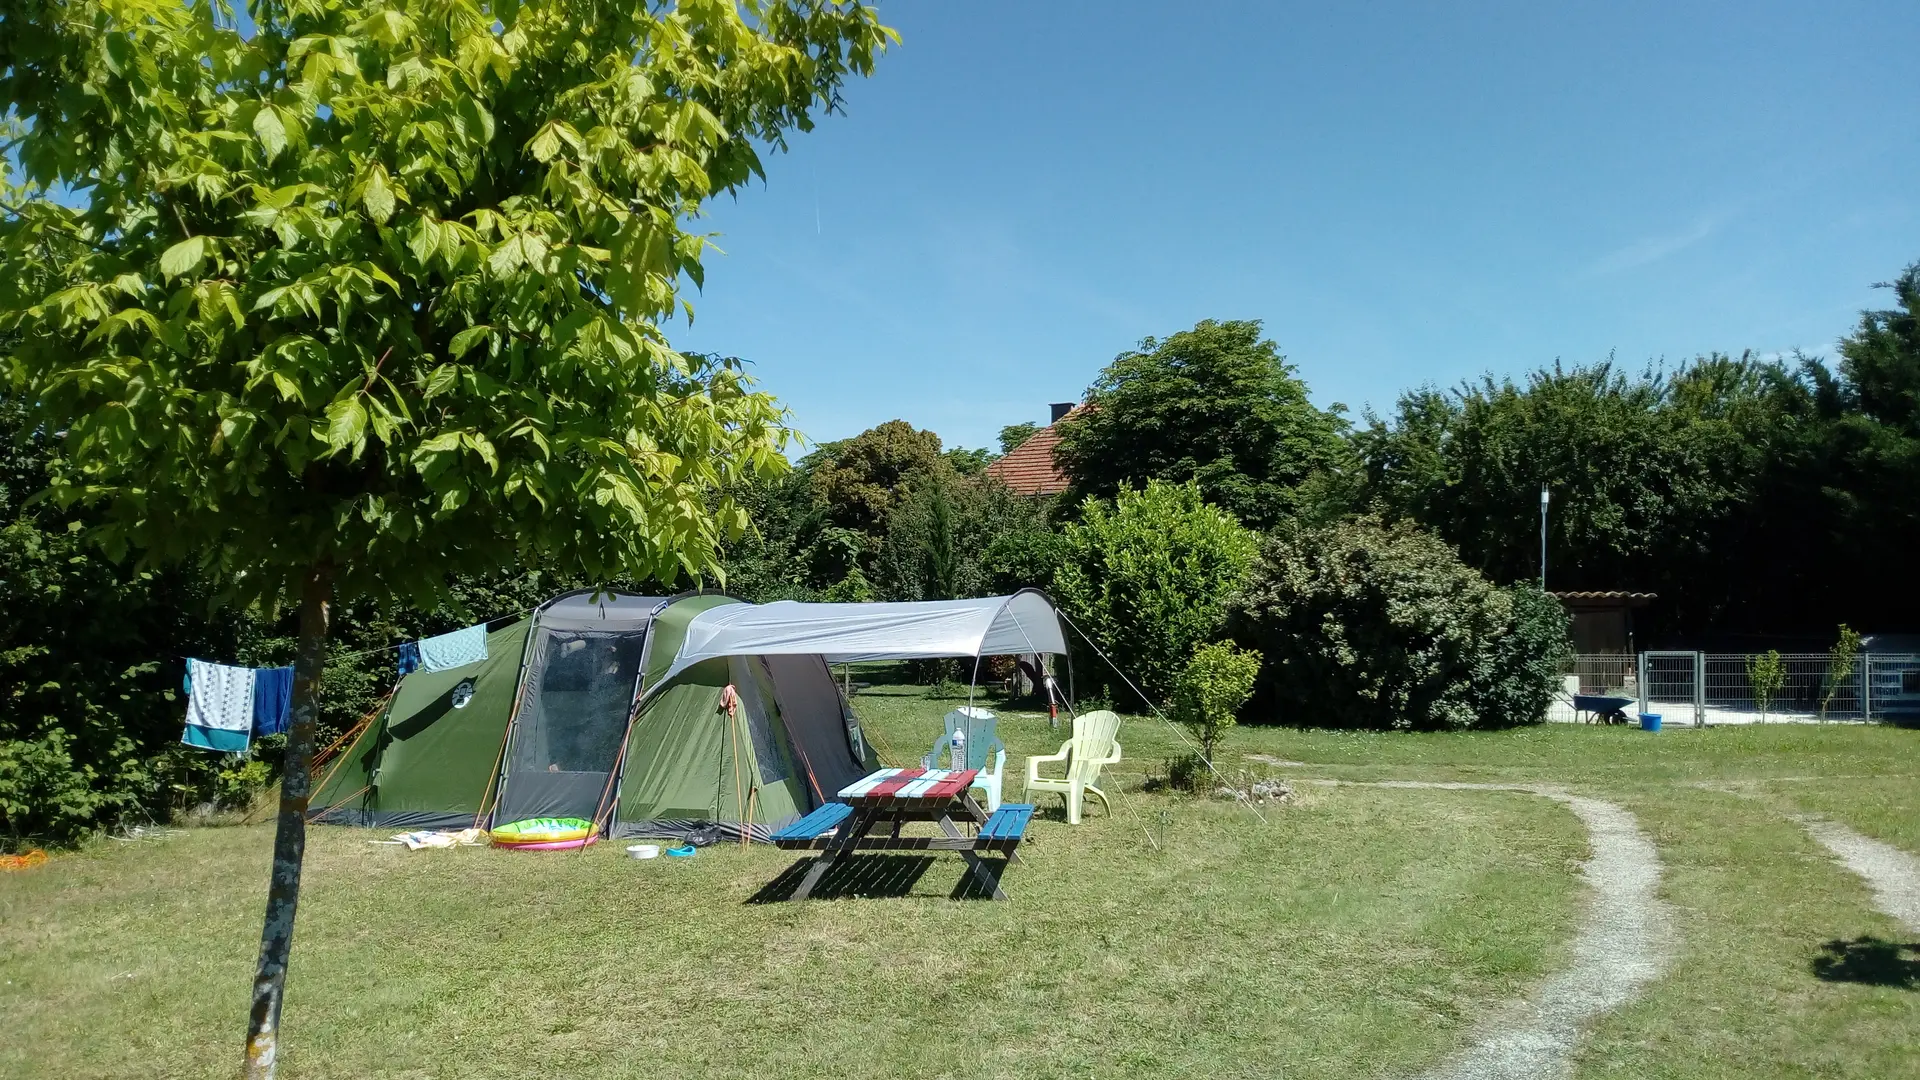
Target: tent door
{"points": [[573, 715]]}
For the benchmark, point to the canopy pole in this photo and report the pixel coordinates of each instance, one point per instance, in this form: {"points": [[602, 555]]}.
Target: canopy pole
{"points": [[973, 684]]}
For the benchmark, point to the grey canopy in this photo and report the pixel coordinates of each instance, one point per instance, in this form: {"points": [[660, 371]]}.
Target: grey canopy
{"points": [[847, 633]]}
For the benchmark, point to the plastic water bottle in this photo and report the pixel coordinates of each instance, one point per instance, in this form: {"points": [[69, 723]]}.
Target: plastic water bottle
{"points": [[959, 749]]}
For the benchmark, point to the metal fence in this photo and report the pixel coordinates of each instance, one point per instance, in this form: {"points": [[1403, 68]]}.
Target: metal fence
{"points": [[1733, 688]]}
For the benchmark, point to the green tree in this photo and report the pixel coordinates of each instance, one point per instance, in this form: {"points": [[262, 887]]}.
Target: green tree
{"points": [[969, 462], [372, 294], [1013, 435], [948, 534], [1881, 358], [1217, 405], [1147, 578], [89, 717], [1681, 482], [861, 480], [1372, 625], [1840, 663], [1768, 675], [1211, 690], [1867, 469]]}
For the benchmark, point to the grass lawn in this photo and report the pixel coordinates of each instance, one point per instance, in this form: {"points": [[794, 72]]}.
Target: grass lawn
{"points": [[1360, 932]]}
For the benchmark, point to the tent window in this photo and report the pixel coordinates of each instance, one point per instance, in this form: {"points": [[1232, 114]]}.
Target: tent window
{"points": [[579, 712]]}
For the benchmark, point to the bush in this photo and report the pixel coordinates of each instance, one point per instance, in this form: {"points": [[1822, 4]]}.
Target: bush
{"points": [[852, 589], [1369, 625], [1188, 772], [1148, 579], [1210, 691]]}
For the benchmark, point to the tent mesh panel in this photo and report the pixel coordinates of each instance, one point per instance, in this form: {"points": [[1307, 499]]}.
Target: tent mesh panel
{"points": [[578, 695]]}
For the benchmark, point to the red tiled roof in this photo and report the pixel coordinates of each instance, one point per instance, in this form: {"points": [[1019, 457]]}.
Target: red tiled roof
{"points": [[1029, 468]]}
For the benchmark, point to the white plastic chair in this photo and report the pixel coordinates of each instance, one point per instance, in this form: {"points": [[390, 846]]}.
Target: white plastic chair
{"points": [[1094, 744], [978, 740]]}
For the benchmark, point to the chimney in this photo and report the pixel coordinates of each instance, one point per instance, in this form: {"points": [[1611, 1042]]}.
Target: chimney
{"points": [[1060, 409]]}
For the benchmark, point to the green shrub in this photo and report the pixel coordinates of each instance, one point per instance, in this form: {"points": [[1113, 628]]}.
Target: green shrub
{"points": [[1768, 674], [1210, 690], [241, 783], [45, 796], [1840, 661], [1148, 578], [1186, 772], [852, 589], [1369, 625]]}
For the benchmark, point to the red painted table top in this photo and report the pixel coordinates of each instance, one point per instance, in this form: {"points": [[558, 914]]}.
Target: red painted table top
{"points": [[930, 784]]}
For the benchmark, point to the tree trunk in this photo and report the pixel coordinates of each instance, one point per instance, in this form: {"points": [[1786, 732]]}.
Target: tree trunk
{"points": [[290, 837]]}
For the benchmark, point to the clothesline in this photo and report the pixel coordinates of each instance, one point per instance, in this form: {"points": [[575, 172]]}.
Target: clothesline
{"points": [[488, 623]]}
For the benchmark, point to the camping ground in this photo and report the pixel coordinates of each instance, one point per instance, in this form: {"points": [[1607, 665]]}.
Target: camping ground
{"points": [[1359, 931]]}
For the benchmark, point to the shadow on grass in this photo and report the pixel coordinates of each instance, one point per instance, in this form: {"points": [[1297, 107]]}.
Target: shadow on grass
{"points": [[1871, 961], [876, 876], [858, 875]]}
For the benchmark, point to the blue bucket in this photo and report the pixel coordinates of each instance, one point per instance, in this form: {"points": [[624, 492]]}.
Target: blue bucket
{"points": [[1649, 721]]}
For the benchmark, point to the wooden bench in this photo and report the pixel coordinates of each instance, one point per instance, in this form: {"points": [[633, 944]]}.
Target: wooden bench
{"points": [[1004, 828], [813, 831]]}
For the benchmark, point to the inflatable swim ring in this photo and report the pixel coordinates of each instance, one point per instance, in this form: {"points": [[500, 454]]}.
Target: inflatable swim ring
{"points": [[543, 831], [553, 845]]}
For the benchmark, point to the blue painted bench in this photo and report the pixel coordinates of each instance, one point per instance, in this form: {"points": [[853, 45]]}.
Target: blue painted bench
{"points": [[1004, 828], [814, 830]]}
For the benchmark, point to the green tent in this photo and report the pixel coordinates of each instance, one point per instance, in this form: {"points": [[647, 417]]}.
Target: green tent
{"points": [[615, 708], [572, 715], [428, 762], [788, 745]]}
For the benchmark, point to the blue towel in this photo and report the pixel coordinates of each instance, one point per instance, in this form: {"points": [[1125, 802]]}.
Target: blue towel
{"points": [[409, 658], [458, 649], [272, 700]]}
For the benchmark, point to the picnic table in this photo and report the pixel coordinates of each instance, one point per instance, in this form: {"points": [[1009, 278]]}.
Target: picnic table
{"points": [[871, 811]]}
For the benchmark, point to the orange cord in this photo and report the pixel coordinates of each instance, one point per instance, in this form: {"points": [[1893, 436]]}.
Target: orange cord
{"points": [[314, 815]]}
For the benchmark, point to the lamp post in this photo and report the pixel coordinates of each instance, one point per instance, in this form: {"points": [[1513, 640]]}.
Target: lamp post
{"points": [[1543, 537]]}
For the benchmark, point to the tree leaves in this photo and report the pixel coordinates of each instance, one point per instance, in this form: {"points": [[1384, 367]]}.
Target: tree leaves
{"points": [[347, 425], [467, 339], [270, 130], [1216, 404], [377, 196], [451, 307], [183, 258]]}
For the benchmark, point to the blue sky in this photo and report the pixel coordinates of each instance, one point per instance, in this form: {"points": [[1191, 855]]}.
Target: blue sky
{"points": [[1403, 194]]}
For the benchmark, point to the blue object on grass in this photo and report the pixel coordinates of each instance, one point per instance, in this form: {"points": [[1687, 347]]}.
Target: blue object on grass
{"points": [[684, 851], [1649, 721]]}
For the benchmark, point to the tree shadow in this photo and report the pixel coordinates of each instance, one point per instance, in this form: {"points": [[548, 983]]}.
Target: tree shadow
{"points": [[854, 876], [1871, 961]]}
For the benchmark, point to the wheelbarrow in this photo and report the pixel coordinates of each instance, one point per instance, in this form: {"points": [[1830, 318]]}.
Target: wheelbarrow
{"points": [[1606, 708]]}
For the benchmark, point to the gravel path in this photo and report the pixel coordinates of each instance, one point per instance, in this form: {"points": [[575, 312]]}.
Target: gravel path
{"points": [[1892, 874], [1624, 941]]}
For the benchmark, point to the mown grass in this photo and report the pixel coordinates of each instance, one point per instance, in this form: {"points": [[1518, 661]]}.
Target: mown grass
{"points": [[1358, 933]]}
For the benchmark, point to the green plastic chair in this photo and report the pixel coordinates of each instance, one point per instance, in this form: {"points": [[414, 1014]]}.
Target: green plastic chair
{"points": [[1093, 745]]}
